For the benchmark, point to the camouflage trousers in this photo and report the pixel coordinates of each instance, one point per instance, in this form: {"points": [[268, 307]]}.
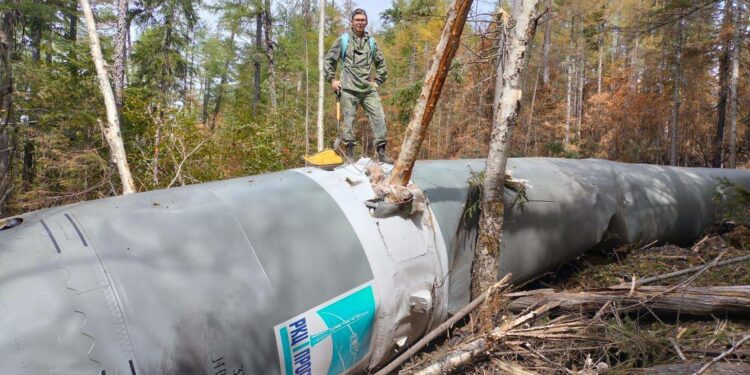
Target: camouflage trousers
{"points": [[370, 102]]}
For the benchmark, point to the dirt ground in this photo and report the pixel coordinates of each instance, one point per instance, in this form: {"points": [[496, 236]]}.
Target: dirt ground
{"points": [[621, 343]]}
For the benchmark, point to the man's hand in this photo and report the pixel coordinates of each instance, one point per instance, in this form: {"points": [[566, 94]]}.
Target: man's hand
{"points": [[374, 85], [336, 85]]}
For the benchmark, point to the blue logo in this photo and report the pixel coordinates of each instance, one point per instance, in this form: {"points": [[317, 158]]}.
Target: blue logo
{"points": [[328, 339]]}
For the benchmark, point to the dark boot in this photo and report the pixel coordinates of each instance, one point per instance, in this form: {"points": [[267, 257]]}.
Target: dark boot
{"points": [[350, 150], [382, 156]]}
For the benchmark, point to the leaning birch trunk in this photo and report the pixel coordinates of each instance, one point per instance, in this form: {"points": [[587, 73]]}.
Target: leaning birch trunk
{"points": [[112, 127], [431, 89], [677, 76], [269, 54], [321, 72], [735, 57], [506, 109]]}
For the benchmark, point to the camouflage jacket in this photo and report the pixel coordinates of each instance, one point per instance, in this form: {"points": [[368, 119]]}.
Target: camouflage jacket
{"points": [[358, 63]]}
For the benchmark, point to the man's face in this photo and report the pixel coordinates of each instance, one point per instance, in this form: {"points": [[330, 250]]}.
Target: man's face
{"points": [[359, 22]]}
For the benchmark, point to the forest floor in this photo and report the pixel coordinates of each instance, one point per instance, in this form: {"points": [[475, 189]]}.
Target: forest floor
{"points": [[612, 342]]}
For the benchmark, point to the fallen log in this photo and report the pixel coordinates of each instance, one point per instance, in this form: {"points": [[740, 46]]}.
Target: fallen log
{"points": [[692, 301], [691, 368]]}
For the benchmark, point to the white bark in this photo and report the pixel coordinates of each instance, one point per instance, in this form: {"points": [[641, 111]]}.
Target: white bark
{"points": [[547, 43], [269, 54], [321, 72], [569, 62], [600, 45], [530, 121], [677, 76], [112, 127], [579, 93], [306, 7], [735, 57], [507, 105], [616, 31], [121, 50], [568, 100]]}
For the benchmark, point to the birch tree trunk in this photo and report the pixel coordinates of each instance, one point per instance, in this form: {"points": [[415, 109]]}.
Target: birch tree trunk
{"points": [[547, 43], [721, 105], [616, 31], [530, 120], [569, 63], [321, 72], [431, 89], [677, 76], [121, 53], [269, 54], [507, 105], [112, 127], [600, 52], [206, 97], [579, 93], [306, 11], [223, 80], [733, 101], [7, 139], [256, 62]]}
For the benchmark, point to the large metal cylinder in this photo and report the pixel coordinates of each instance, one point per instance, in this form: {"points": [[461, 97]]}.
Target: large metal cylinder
{"points": [[288, 273]]}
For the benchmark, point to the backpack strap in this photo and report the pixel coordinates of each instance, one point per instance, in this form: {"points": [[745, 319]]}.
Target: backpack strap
{"points": [[344, 45], [372, 48]]}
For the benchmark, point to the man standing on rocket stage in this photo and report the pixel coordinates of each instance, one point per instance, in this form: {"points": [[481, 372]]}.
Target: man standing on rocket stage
{"points": [[359, 52]]}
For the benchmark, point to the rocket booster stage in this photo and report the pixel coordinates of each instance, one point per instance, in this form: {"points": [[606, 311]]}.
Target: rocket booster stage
{"points": [[289, 273]]}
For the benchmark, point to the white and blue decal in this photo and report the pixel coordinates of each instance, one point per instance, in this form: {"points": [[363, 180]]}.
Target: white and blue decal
{"points": [[330, 338]]}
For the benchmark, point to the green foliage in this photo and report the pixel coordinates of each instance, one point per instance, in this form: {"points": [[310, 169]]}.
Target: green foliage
{"points": [[733, 201], [405, 99], [407, 10], [177, 65], [157, 67]]}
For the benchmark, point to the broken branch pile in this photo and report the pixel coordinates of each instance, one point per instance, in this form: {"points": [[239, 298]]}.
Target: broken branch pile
{"points": [[626, 326]]}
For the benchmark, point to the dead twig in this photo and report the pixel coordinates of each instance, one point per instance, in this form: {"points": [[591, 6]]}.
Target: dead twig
{"points": [[722, 355], [467, 352], [649, 280], [178, 173], [694, 248], [678, 350]]}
